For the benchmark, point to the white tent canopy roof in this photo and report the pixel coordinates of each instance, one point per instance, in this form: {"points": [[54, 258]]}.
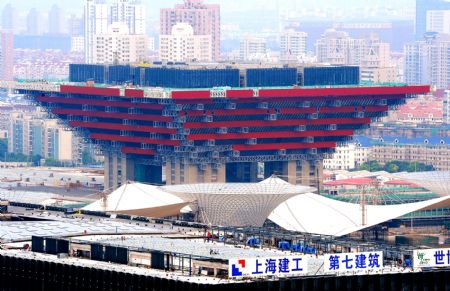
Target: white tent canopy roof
{"points": [[436, 181], [270, 186], [238, 204], [139, 199], [250, 204], [317, 214]]}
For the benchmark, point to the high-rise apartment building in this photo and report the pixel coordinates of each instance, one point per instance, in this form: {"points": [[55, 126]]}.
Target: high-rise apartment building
{"points": [[6, 55], [252, 48], [31, 134], [446, 115], [33, 22], [8, 17], [370, 53], [130, 12], [75, 25], [96, 23], [118, 46], [347, 157], [338, 48], [118, 37], [428, 61], [77, 44], [183, 46], [422, 9], [293, 43], [438, 21], [204, 18], [55, 20]]}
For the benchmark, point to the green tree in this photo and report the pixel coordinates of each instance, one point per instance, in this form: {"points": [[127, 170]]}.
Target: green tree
{"points": [[391, 168], [87, 158], [53, 163], [396, 166], [371, 166]]}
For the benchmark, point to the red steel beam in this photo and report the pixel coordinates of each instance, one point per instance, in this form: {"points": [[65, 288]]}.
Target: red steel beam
{"points": [[308, 92], [275, 134], [349, 91], [343, 109], [113, 115], [134, 93], [239, 93], [272, 123], [115, 126], [288, 92], [138, 151], [229, 112], [81, 101], [134, 139], [84, 90], [284, 146], [316, 98], [194, 94], [257, 111]]}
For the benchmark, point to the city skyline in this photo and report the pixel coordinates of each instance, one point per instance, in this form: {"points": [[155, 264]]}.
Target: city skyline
{"points": [[229, 6]]}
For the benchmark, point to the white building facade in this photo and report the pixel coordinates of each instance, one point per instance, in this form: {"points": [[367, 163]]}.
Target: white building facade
{"points": [[438, 21], [293, 43], [77, 44], [252, 48], [347, 157], [31, 134], [428, 61], [118, 46], [130, 12], [370, 53], [96, 23], [447, 107], [184, 46]]}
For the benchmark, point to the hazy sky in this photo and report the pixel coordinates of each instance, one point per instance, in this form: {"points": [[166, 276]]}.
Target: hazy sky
{"points": [[228, 6]]}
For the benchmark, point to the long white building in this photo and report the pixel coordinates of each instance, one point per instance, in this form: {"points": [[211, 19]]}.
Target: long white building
{"points": [[428, 61], [130, 12], [293, 43], [118, 46], [252, 48], [31, 134], [182, 45], [347, 157], [338, 48], [95, 23], [438, 21], [100, 18]]}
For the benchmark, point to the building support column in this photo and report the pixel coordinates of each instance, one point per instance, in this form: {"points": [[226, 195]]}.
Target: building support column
{"points": [[279, 169], [115, 171], [303, 172], [310, 173], [242, 172], [128, 169], [319, 175], [291, 171], [148, 174], [107, 172], [180, 173]]}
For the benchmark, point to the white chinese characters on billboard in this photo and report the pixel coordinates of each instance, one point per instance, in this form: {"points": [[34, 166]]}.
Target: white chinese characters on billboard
{"points": [[354, 262], [431, 258], [267, 266]]}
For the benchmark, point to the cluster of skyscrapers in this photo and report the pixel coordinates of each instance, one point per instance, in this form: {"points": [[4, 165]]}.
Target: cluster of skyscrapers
{"points": [[117, 31], [427, 60], [30, 133], [114, 33]]}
